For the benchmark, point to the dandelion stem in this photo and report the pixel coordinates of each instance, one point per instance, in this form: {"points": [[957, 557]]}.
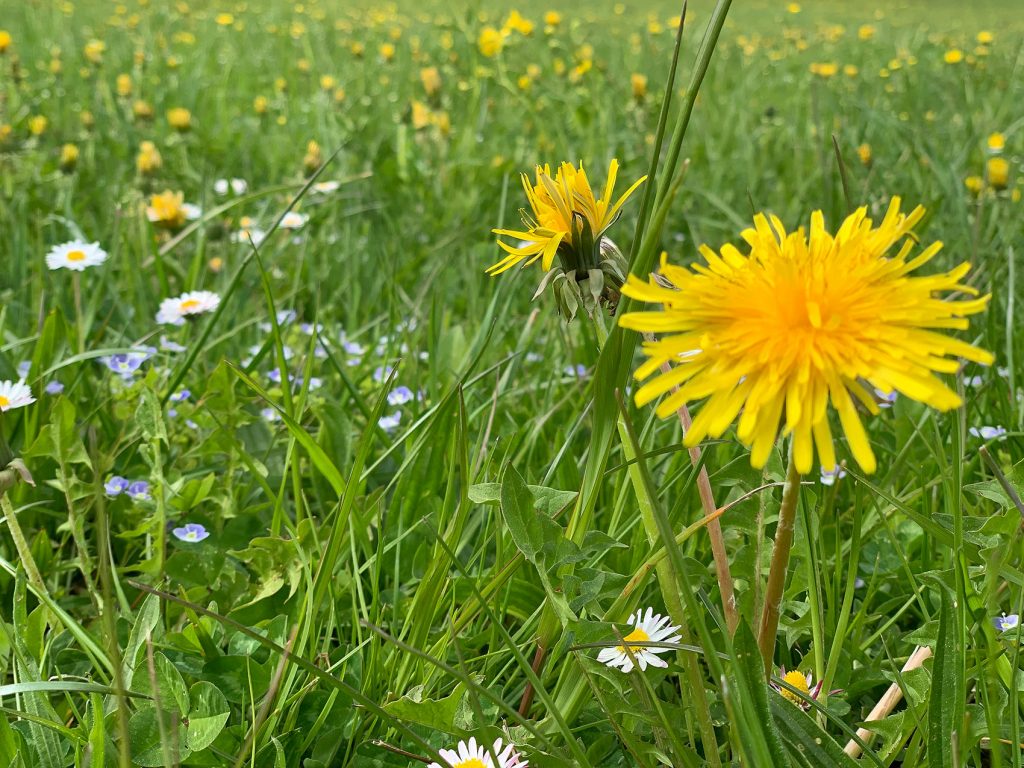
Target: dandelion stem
{"points": [[21, 544], [780, 564]]}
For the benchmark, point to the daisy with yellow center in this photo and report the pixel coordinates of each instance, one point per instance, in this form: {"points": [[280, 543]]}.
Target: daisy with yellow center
{"points": [[14, 394], [647, 628], [473, 755], [75, 255], [801, 321], [175, 311]]}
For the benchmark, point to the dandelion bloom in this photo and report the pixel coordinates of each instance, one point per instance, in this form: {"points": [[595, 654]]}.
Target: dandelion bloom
{"points": [[174, 311], [179, 118], [998, 171], [639, 85], [37, 125], [565, 213], [14, 394], [473, 755], [953, 56], [647, 628], [75, 255], [431, 80], [5, 40], [802, 320], [148, 160], [169, 209], [996, 142], [864, 153], [260, 104], [490, 42]]}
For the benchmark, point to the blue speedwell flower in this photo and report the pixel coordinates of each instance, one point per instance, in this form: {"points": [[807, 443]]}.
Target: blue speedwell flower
{"points": [[139, 490], [191, 533], [116, 485]]}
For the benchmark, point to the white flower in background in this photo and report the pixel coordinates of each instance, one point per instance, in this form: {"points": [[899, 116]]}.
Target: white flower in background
{"points": [[75, 255], [238, 186], [14, 394], [174, 311], [473, 755], [294, 220], [973, 381], [649, 627], [987, 433], [192, 212], [326, 187], [829, 476], [388, 423]]}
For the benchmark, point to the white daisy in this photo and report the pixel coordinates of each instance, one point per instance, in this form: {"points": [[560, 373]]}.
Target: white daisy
{"points": [[192, 212], [238, 186], [294, 220], [174, 311], [75, 255], [473, 755], [14, 394], [651, 627], [326, 187]]}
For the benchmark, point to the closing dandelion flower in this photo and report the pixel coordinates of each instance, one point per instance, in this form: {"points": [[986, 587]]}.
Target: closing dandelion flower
{"points": [[75, 255], [647, 628], [568, 221], [473, 755], [175, 311], [14, 394], [191, 533], [801, 321]]}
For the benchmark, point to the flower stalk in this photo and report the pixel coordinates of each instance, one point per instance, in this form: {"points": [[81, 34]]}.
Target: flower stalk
{"points": [[780, 565]]}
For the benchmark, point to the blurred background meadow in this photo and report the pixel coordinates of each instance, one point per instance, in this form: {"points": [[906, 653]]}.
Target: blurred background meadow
{"points": [[292, 403]]}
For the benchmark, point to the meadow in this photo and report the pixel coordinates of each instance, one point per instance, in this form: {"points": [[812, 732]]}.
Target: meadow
{"points": [[294, 473]]}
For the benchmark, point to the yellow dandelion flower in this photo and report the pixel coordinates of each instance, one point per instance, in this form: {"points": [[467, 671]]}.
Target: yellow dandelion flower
{"points": [[997, 169], [565, 216], [5, 132], [167, 209], [68, 157], [142, 110], [974, 184], [985, 38], [148, 160], [803, 320], [793, 8], [431, 80], [179, 118], [124, 85], [866, 32], [490, 42], [524, 82], [799, 681], [850, 70], [328, 82], [996, 142], [824, 69], [339, 95], [313, 158], [387, 51], [88, 120], [864, 153], [552, 18], [5, 40], [420, 115], [953, 56], [639, 84], [94, 50], [260, 105], [224, 19], [37, 125], [517, 23]]}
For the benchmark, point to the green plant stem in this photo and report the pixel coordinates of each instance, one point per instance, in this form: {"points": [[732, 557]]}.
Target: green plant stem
{"points": [[780, 565], [21, 544]]}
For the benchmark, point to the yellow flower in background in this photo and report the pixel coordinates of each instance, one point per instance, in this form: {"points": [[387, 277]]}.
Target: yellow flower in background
{"points": [[565, 214], [420, 115], [552, 18], [124, 85], [974, 184], [825, 69], [387, 51], [5, 132], [850, 70], [490, 42], [280, 84], [5, 40], [793, 8], [516, 23], [88, 121], [148, 160], [864, 153], [313, 158], [996, 142], [357, 49], [142, 110], [68, 158], [339, 95], [802, 320], [985, 38], [179, 118], [37, 125], [866, 32], [224, 19], [997, 169], [303, 65], [524, 82], [328, 82], [260, 104], [639, 85], [953, 56], [94, 50], [167, 209], [431, 80]]}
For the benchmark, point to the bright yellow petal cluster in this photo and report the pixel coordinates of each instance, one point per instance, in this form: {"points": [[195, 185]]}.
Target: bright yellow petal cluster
{"points": [[803, 320], [557, 202]]}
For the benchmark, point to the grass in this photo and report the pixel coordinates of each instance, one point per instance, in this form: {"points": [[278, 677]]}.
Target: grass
{"points": [[373, 591]]}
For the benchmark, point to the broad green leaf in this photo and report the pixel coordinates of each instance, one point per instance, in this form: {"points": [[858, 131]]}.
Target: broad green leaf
{"points": [[209, 714], [163, 683], [436, 714], [804, 739], [147, 746]]}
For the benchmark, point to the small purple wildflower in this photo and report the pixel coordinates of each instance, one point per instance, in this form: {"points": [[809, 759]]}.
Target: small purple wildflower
{"points": [[24, 368], [179, 397], [987, 433], [53, 387], [1004, 622], [191, 533], [829, 476], [116, 485], [400, 396], [389, 423], [139, 490]]}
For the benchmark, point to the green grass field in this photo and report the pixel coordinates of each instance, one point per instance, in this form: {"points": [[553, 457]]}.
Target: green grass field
{"points": [[289, 480]]}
